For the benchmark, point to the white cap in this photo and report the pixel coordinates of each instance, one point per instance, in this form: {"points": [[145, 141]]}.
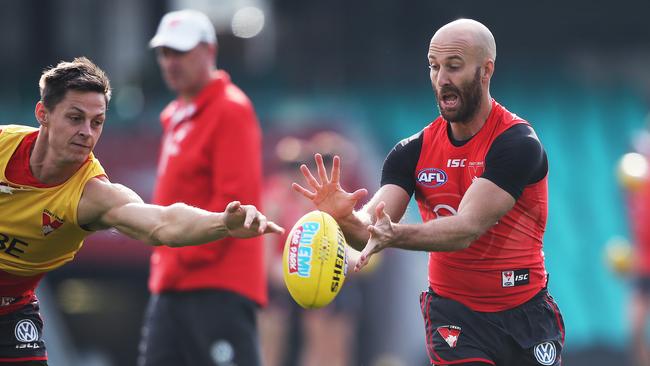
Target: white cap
{"points": [[182, 30]]}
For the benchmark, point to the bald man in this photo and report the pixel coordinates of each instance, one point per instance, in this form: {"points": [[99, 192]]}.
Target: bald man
{"points": [[479, 175]]}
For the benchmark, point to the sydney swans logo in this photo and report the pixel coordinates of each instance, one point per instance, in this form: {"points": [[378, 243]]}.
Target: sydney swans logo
{"points": [[51, 222]]}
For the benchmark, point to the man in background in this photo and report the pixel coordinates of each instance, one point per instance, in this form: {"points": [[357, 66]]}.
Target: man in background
{"points": [[203, 305]]}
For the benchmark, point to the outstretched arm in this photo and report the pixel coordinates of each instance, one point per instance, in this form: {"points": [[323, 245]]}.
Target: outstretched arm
{"points": [[104, 205]]}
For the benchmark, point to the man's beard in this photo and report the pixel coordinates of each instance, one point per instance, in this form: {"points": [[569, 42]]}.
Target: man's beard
{"points": [[469, 99]]}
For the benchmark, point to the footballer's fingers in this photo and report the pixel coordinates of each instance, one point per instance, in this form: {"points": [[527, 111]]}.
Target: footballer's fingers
{"points": [[336, 169], [233, 207], [359, 194], [311, 180], [380, 214], [253, 217], [305, 192], [262, 222], [370, 249], [320, 167], [381, 234], [273, 228]]}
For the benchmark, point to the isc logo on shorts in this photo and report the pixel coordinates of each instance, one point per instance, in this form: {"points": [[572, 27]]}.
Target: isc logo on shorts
{"points": [[431, 177], [515, 278]]}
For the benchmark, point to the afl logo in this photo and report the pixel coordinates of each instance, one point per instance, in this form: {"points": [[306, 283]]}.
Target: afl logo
{"points": [[432, 177], [26, 331]]}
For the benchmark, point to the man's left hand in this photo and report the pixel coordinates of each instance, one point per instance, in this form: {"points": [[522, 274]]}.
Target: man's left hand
{"points": [[381, 235]]}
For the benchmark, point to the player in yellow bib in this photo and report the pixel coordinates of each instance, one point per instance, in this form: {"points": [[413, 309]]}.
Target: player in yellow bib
{"points": [[54, 193]]}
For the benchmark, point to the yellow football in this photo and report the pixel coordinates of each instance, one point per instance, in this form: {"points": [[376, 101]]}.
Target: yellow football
{"points": [[314, 260]]}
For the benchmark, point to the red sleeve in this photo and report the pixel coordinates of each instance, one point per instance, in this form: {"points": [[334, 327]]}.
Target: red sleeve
{"points": [[236, 157]]}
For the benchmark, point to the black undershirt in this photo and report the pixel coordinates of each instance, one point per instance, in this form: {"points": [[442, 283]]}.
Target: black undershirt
{"points": [[515, 159]]}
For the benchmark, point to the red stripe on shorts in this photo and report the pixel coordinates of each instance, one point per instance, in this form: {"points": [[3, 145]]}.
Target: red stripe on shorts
{"points": [[553, 306], [425, 302]]}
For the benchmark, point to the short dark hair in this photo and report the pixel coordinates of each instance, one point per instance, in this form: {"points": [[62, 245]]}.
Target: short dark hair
{"points": [[80, 74]]}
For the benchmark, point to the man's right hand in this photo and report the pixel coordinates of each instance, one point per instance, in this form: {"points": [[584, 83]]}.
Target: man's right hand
{"points": [[327, 195]]}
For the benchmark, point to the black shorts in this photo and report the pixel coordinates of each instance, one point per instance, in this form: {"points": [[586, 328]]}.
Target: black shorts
{"points": [[21, 337], [530, 334], [206, 327]]}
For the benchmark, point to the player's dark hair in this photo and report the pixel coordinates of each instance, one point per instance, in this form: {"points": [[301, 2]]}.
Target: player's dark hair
{"points": [[80, 74]]}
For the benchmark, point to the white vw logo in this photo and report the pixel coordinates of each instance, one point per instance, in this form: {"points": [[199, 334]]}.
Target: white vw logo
{"points": [[26, 331], [222, 352], [545, 353]]}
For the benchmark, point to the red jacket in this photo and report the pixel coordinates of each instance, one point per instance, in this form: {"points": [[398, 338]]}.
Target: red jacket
{"points": [[211, 155]]}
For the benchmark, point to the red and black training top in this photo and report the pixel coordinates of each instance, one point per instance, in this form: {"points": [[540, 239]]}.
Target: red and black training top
{"points": [[505, 266]]}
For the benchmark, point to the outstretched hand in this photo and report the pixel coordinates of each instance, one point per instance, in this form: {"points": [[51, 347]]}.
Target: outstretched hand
{"points": [[381, 235], [327, 194], [244, 221]]}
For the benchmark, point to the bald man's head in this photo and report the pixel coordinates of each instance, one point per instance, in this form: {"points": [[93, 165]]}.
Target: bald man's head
{"points": [[474, 35], [461, 58]]}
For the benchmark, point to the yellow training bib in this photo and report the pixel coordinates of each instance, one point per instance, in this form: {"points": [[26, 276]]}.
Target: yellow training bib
{"points": [[38, 226]]}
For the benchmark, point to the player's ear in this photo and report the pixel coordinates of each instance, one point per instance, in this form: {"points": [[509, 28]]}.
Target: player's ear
{"points": [[41, 113], [487, 70]]}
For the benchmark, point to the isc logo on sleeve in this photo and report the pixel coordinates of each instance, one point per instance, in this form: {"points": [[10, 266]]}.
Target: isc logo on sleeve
{"points": [[431, 177]]}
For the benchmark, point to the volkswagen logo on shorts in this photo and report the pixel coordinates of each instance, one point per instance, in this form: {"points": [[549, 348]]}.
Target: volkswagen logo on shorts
{"points": [[545, 353], [222, 353], [26, 331]]}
